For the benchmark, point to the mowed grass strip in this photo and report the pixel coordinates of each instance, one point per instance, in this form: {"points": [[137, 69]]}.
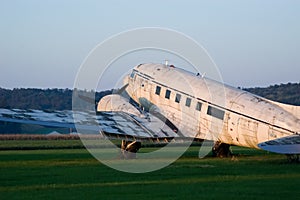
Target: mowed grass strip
{"points": [[40, 144], [277, 177], [75, 174]]}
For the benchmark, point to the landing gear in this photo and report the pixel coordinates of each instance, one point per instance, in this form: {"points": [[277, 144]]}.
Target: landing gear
{"points": [[221, 150], [293, 158], [129, 149]]}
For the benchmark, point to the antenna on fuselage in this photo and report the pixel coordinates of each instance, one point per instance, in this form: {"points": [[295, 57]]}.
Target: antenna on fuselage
{"points": [[166, 62]]}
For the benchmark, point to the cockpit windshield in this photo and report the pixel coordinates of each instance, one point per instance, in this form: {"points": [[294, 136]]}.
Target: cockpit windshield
{"points": [[132, 74]]}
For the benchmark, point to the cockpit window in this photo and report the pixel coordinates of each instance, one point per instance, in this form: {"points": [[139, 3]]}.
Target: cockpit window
{"points": [[132, 74]]}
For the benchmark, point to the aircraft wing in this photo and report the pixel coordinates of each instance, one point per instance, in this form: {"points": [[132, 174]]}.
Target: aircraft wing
{"points": [[285, 145], [122, 124], [36, 117], [110, 124]]}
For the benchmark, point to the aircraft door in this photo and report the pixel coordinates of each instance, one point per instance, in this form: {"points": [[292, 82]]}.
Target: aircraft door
{"points": [[233, 122], [247, 131], [234, 119], [145, 89]]}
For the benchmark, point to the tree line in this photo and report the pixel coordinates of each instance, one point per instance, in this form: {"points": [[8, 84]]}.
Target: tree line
{"points": [[42, 99], [285, 93], [61, 99]]}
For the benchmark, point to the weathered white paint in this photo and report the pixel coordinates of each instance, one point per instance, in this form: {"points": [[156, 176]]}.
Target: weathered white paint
{"points": [[248, 119], [116, 102]]}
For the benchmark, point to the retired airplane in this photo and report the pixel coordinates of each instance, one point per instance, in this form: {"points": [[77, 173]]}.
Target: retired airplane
{"points": [[179, 104], [195, 106]]}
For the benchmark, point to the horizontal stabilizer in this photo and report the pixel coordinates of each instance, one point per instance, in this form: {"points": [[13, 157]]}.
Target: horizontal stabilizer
{"points": [[285, 145]]}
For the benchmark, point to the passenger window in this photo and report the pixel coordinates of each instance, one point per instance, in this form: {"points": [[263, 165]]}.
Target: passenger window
{"points": [[168, 94], [177, 98], [215, 112], [158, 89], [198, 106], [188, 102]]}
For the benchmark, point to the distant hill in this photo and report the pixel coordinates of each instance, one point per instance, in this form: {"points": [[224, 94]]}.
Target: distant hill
{"points": [[61, 99], [285, 93]]}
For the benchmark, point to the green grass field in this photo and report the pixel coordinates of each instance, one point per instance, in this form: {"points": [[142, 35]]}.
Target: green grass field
{"points": [[75, 174]]}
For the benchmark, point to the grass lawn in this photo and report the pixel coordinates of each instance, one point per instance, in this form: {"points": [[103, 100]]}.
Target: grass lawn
{"points": [[75, 174]]}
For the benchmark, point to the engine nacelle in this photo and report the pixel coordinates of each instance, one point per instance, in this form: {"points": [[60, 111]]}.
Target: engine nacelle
{"points": [[117, 103]]}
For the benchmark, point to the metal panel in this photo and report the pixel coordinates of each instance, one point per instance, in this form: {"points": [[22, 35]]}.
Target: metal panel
{"points": [[247, 131]]}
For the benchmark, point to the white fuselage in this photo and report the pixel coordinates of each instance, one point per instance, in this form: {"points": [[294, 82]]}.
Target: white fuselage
{"points": [[206, 109]]}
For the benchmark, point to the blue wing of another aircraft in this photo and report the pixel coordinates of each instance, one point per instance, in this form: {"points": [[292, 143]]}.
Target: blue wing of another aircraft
{"points": [[285, 145], [112, 124]]}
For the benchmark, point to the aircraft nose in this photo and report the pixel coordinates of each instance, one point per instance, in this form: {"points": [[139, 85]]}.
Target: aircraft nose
{"points": [[126, 80]]}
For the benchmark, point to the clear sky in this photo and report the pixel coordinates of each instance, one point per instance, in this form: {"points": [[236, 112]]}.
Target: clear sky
{"points": [[43, 43]]}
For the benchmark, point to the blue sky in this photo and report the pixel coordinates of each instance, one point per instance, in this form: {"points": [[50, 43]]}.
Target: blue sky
{"points": [[43, 43]]}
